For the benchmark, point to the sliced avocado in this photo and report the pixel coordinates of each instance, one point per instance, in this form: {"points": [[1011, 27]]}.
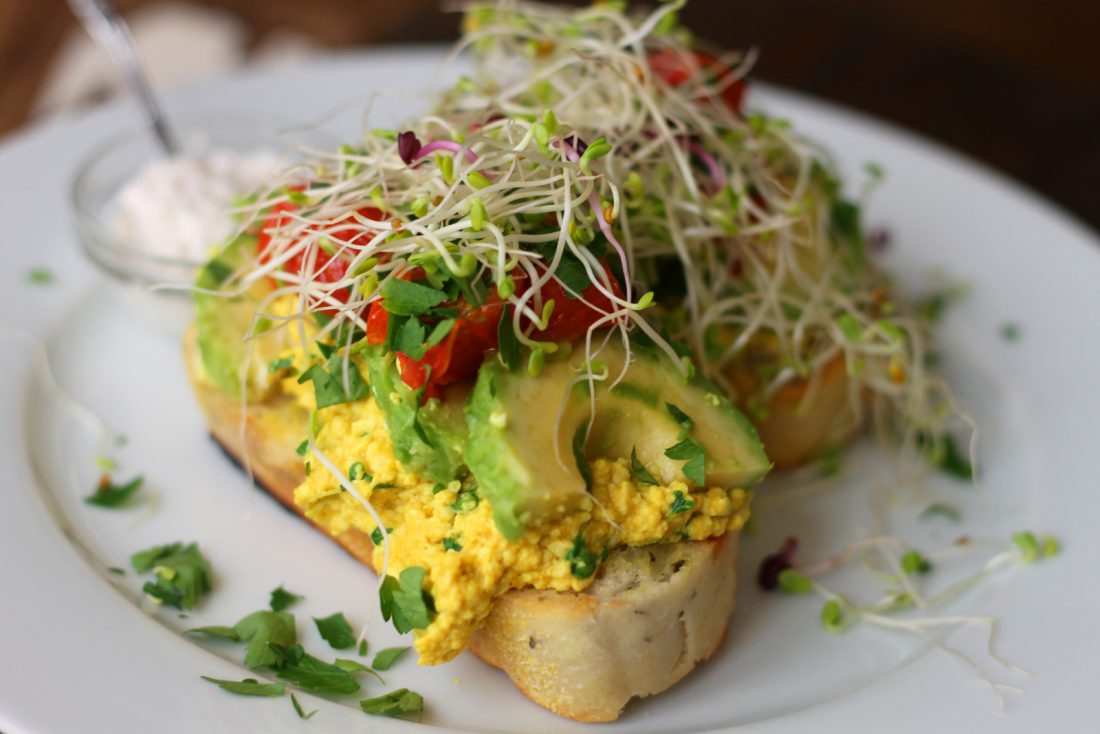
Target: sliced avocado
{"points": [[428, 439], [222, 321], [527, 459]]}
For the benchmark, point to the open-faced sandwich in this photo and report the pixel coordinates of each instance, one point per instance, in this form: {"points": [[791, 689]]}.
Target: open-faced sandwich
{"points": [[496, 353]]}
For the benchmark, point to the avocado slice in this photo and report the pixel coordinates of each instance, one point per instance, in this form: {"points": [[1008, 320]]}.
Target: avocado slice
{"points": [[427, 438], [222, 321], [529, 461]]}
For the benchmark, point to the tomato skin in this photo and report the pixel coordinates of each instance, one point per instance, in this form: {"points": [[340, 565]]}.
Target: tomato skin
{"points": [[675, 69], [326, 268], [572, 316]]}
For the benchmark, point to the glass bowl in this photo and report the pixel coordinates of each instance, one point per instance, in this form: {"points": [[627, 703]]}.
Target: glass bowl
{"points": [[159, 286]]}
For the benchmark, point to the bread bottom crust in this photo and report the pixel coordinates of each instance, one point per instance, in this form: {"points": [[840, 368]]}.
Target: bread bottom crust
{"points": [[649, 617]]}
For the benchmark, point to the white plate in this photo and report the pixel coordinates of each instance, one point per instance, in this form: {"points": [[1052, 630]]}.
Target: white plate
{"points": [[79, 655]]}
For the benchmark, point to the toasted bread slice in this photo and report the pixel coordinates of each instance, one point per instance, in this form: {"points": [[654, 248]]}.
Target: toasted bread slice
{"points": [[643, 624]]}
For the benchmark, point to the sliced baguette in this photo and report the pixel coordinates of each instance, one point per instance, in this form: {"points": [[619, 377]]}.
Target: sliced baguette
{"points": [[648, 618]]}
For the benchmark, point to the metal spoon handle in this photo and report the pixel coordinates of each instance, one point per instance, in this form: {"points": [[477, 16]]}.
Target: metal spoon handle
{"points": [[107, 27]]}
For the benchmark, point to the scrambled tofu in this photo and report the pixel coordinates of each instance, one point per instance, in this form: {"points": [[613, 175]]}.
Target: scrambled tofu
{"points": [[449, 530]]}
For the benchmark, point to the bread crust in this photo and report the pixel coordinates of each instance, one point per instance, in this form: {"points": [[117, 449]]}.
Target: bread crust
{"points": [[649, 617]]}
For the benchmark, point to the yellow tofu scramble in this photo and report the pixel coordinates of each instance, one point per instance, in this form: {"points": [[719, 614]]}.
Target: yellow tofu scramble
{"points": [[449, 530]]}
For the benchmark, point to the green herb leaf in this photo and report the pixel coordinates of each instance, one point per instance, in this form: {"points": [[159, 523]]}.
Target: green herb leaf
{"points": [[940, 509], [376, 535], [451, 543], [1010, 332], [913, 562], [298, 708], [440, 331], [328, 385], [695, 464], [947, 458], [793, 582], [509, 348], [681, 504], [410, 339], [363, 647], [640, 472], [182, 573], [110, 495], [336, 631], [354, 666], [385, 659], [303, 448], [281, 599], [579, 437], [396, 703], [263, 629], [582, 560], [406, 602], [248, 687], [311, 674], [358, 472], [407, 298], [283, 363], [227, 633], [682, 419]]}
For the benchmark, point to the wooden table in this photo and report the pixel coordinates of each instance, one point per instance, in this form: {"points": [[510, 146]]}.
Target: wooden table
{"points": [[1013, 83]]}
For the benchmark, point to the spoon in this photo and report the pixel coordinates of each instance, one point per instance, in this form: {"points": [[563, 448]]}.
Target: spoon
{"points": [[110, 31]]}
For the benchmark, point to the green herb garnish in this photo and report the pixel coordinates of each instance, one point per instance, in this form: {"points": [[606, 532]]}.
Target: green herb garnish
{"points": [[385, 659], [396, 703], [640, 472], [248, 687], [111, 495], [182, 574], [281, 599], [695, 465], [336, 631], [405, 601]]}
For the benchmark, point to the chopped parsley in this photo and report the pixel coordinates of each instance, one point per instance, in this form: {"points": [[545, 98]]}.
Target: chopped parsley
{"points": [[228, 633], [1010, 332], [277, 365], [579, 437], [396, 703], [182, 574], [303, 448], [358, 471], [681, 503], [451, 543], [682, 419], [281, 599], [248, 687], [509, 346], [385, 659], [263, 630], [111, 495], [407, 298], [298, 708], [336, 631], [308, 673], [405, 601], [328, 385], [640, 472], [695, 464], [582, 561]]}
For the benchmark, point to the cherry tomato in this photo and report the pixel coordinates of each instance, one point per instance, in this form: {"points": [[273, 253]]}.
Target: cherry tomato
{"points": [[675, 68], [571, 316], [326, 268]]}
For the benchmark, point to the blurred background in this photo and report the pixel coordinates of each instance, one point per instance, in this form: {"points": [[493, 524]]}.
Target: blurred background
{"points": [[1014, 83]]}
